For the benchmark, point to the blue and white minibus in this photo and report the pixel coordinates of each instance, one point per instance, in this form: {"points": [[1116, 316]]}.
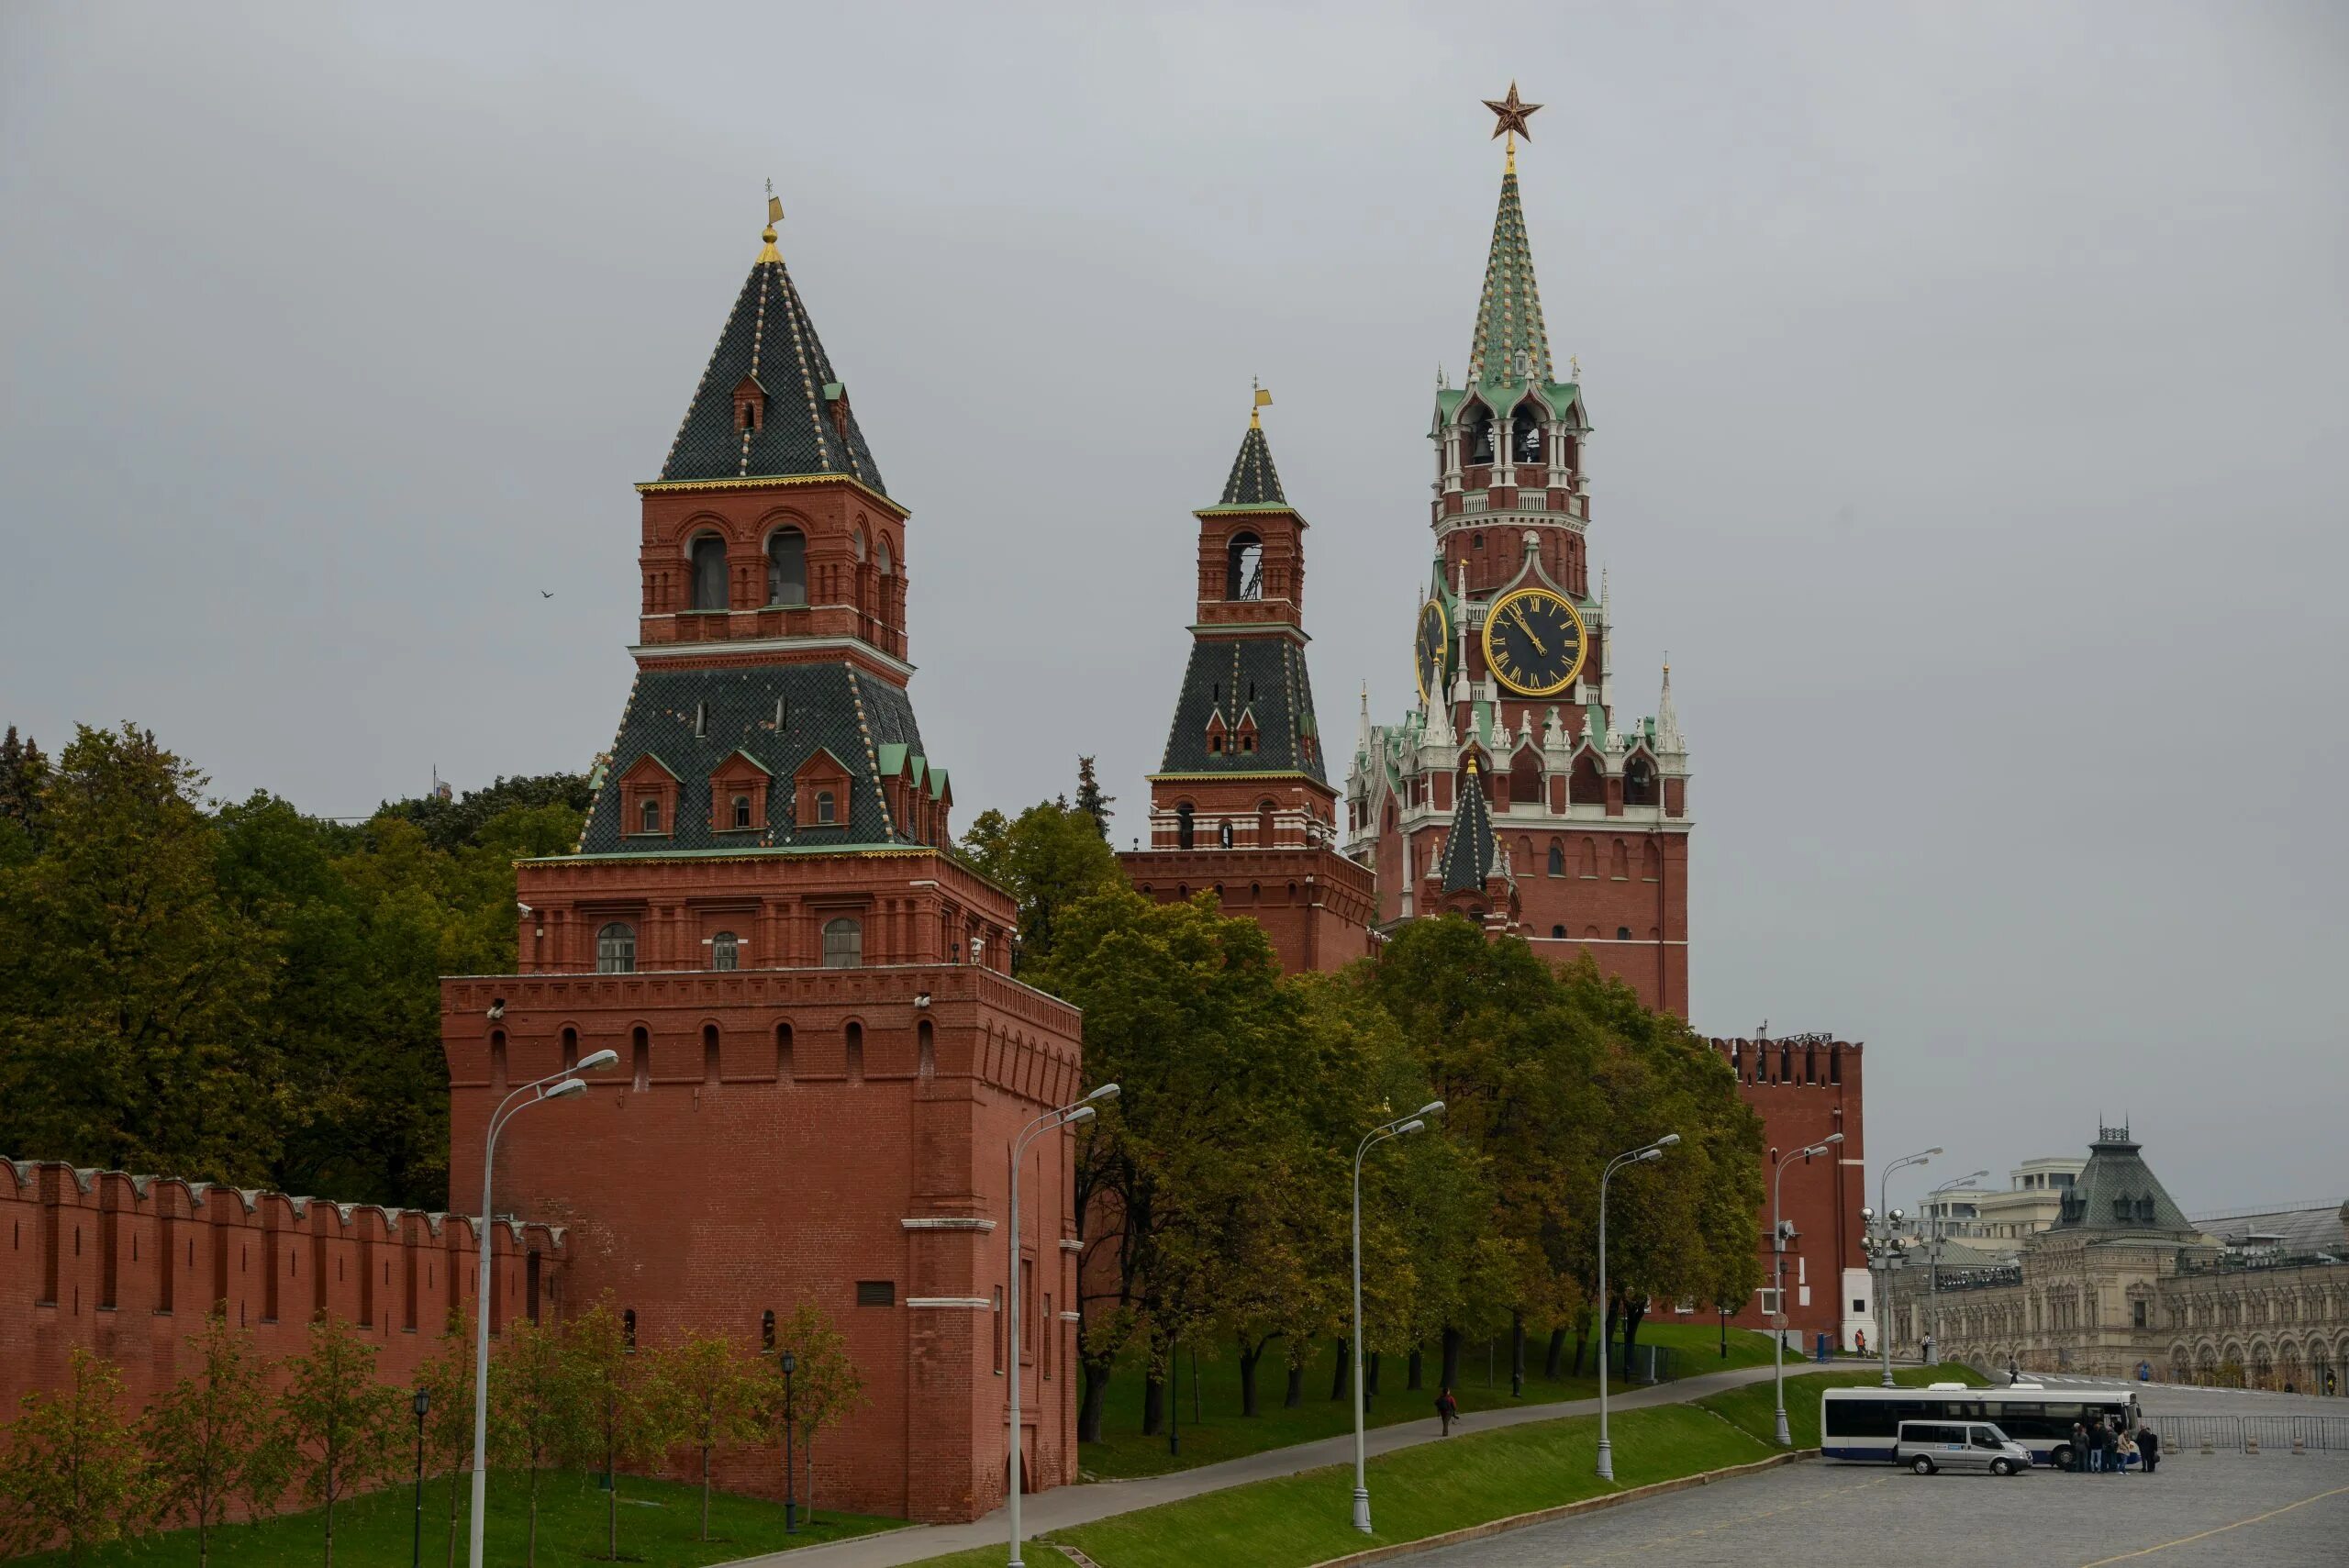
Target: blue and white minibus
{"points": [[1862, 1423]]}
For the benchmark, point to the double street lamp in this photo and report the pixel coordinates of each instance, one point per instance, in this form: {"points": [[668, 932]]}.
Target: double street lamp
{"points": [[1401, 1127], [1778, 1278], [560, 1085], [1886, 1221], [1628, 1157], [1065, 1116]]}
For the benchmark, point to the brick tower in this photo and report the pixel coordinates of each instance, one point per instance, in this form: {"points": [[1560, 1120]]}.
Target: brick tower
{"points": [[823, 1057], [1580, 839], [1241, 803]]}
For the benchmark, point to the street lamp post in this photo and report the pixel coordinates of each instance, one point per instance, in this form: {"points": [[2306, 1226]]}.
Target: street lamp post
{"points": [[1401, 1127], [1778, 1278], [1935, 1215], [789, 1363], [1629, 1157], [421, 1402], [560, 1085], [1883, 1196], [1065, 1116]]}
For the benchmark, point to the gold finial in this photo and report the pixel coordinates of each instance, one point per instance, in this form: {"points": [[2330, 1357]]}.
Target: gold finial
{"points": [[1576, 361], [774, 215], [1472, 762], [1263, 401], [1510, 167]]}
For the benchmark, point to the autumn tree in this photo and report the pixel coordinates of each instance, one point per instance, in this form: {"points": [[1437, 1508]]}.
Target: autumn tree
{"points": [[714, 1394], [533, 1405], [341, 1419], [826, 1387], [206, 1429], [71, 1469], [619, 1410]]}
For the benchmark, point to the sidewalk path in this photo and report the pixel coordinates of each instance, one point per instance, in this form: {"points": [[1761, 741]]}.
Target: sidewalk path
{"points": [[1065, 1505]]}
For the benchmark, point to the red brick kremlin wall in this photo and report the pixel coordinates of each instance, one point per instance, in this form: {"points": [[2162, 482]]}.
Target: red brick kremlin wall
{"points": [[1804, 1090], [127, 1267]]}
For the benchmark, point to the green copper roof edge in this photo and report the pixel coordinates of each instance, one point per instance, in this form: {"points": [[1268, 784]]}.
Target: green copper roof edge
{"points": [[760, 480], [1253, 629], [764, 851], [1274, 773], [1250, 506]]}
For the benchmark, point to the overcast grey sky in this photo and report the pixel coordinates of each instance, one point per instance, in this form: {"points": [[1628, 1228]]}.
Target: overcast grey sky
{"points": [[1968, 383]]}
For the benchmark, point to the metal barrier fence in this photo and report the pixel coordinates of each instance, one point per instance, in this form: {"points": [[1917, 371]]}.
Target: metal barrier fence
{"points": [[2251, 1434]]}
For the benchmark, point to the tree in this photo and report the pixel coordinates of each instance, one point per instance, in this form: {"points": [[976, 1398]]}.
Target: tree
{"points": [[202, 1433], [23, 774], [1050, 857], [459, 823], [448, 1377], [341, 1420], [130, 994], [71, 1467], [619, 1408], [533, 1405], [715, 1399], [826, 1387], [1090, 798]]}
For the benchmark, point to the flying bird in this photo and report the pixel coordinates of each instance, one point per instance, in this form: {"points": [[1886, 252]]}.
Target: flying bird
{"points": [[544, 594]]}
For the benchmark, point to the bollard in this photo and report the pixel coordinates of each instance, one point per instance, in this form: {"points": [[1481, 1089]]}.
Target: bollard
{"points": [[2206, 1443], [2300, 1445], [2251, 1442]]}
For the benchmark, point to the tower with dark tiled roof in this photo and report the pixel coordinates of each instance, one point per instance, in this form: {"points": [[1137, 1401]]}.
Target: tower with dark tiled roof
{"points": [[1514, 662], [822, 1052], [1241, 801]]}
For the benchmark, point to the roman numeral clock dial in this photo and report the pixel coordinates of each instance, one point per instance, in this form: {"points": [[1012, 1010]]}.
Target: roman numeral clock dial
{"points": [[1430, 651], [1534, 642]]}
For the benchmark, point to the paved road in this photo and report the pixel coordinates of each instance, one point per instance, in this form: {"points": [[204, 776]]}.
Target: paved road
{"points": [[2196, 1513], [1065, 1505]]}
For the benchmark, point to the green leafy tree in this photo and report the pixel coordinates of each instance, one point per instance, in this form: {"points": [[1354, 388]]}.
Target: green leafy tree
{"points": [[621, 1411], [714, 1397], [533, 1407], [203, 1431], [70, 1468], [23, 774], [462, 822], [342, 1421], [130, 996], [448, 1378], [1050, 857], [826, 1387]]}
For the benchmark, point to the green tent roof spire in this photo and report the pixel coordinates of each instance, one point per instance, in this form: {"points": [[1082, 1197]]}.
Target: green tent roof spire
{"points": [[1254, 482], [1512, 345]]}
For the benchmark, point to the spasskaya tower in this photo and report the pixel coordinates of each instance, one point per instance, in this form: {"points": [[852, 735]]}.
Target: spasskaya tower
{"points": [[1515, 792]]}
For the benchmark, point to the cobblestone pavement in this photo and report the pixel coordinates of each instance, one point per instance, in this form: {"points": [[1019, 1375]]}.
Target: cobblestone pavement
{"points": [[2194, 1513]]}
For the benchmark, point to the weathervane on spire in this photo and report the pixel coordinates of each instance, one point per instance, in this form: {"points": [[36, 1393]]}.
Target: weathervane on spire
{"points": [[1513, 112], [774, 215], [1263, 401]]}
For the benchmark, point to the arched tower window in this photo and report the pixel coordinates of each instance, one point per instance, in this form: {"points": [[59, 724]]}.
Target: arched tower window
{"points": [[881, 560], [783, 1053], [1478, 433], [647, 815], [1557, 866], [787, 567], [725, 951], [1264, 824], [616, 949], [856, 1052], [709, 1054], [856, 545], [1525, 434], [1185, 827], [1639, 781], [1244, 567], [639, 1053], [709, 571], [925, 1050], [843, 943]]}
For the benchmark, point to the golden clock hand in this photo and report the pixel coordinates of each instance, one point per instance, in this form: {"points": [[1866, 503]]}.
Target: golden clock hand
{"points": [[1527, 627]]}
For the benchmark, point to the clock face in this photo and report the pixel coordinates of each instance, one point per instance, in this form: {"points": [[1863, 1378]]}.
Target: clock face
{"points": [[1534, 642], [1430, 643]]}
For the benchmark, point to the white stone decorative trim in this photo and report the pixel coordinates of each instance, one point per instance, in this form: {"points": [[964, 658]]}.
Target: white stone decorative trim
{"points": [[947, 1223], [769, 645], [974, 1302], [1072, 1317], [1069, 1246]]}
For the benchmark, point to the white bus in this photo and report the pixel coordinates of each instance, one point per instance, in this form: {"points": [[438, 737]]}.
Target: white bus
{"points": [[1862, 1423]]}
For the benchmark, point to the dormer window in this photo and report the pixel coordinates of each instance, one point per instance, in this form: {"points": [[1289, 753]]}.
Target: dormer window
{"points": [[1215, 745], [648, 815], [827, 808], [1247, 740], [750, 404], [701, 720], [742, 811]]}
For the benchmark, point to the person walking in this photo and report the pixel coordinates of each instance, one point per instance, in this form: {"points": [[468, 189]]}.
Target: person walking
{"points": [[1860, 1338], [2014, 1372], [2100, 1435], [2079, 1449], [2149, 1443], [2124, 1449], [1447, 1409]]}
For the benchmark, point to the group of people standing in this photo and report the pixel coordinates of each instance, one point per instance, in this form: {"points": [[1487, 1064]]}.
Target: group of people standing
{"points": [[2107, 1447]]}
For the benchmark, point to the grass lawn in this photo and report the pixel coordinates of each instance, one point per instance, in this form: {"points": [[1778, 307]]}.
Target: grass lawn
{"points": [[1754, 1408], [1222, 1432], [660, 1526]]}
